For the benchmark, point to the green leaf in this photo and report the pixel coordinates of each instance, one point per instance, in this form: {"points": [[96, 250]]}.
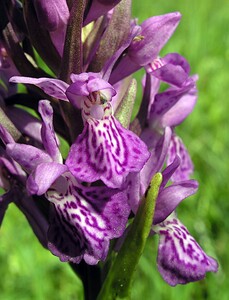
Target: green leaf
{"points": [[118, 281]]}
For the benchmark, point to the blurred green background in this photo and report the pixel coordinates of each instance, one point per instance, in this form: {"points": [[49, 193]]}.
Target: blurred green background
{"points": [[30, 272]]}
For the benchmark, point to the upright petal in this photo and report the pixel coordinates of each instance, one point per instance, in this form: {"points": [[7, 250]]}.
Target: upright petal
{"points": [[157, 158], [107, 151], [48, 135], [180, 258]]}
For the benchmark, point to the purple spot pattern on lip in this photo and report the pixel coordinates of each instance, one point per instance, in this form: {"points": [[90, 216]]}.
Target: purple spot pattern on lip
{"points": [[84, 220], [108, 152], [180, 258]]}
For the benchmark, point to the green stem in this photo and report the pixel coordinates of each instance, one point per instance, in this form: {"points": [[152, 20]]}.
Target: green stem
{"points": [[118, 281]]}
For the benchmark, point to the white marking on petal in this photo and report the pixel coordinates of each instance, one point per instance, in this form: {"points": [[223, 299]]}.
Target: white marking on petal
{"points": [[180, 258]]}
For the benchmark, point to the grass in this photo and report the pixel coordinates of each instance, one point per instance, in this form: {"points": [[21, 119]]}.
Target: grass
{"points": [[30, 272]]}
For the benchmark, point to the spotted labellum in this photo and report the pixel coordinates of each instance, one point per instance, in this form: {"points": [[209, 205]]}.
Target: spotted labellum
{"points": [[76, 160]]}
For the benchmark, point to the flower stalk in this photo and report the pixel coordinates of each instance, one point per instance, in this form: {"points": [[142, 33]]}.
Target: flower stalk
{"points": [[117, 284]]}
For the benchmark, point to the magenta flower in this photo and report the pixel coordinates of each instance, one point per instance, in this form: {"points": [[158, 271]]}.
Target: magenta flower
{"points": [[106, 186], [105, 150], [180, 259], [155, 32], [83, 219]]}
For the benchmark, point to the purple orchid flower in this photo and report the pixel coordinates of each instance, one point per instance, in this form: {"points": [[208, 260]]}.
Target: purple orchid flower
{"points": [[171, 107], [180, 259], [155, 32], [83, 219], [105, 150]]}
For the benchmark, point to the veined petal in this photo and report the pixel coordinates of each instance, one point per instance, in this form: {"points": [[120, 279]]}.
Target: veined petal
{"points": [[44, 176], [84, 221], [164, 102], [49, 137], [180, 258], [27, 156], [107, 151], [52, 87]]}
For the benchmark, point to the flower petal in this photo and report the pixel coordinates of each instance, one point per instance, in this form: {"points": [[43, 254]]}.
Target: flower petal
{"points": [[173, 69], [85, 84], [26, 123], [156, 31], [157, 158], [107, 151], [170, 197], [52, 87], [52, 14], [164, 102], [49, 137], [27, 156], [185, 169], [180, 258], [181, 109], [84, 220], [44, 176]]}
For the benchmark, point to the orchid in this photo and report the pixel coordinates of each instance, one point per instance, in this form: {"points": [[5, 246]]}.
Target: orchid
{"points": [[89, 222], [101, 151], [119, 178]]}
